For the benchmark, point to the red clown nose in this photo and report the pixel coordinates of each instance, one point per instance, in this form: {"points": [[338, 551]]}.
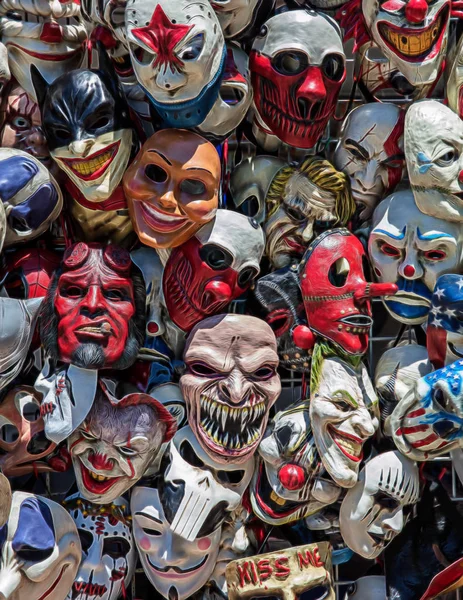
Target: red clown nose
{"points": [[292, 477], [416, 11], [303, 337]]}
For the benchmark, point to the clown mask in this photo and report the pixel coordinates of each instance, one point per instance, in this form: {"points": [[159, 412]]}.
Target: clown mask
{"points": [[40, 550], [370, 152], [175, 567], [213, 268], [375, 510], [412, 250], [116, 443], [242, 18], [94, 312], [230, 384], [298, 66], [454, 78], [108, 549], [434, 154], [178, 56], [343, 417], [172, 187]]}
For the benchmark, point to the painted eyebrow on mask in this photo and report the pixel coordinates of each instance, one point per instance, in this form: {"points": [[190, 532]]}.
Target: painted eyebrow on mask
{"points": [[147, 516], [400, 236], [162, 156], [358, 147], [432, 236], [346, 396]]}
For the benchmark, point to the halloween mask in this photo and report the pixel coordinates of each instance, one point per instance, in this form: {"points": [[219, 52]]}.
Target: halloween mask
{"points": [[31, 197], [366, 588], [412, 250], [370, 152], [176, 567], [40, 550], [428, 422], [116, 443], [28, 272], [287, 485], [149, 263], [343, 417], [444, 334], [454, 78], [335, 293], [412, 35], [94, 312], [108, 549], [300, 201], [178, 56], [197, 492], [433, 150], [298, 66], [242, 18], [230, 384], [374, 510], [213, 268], [172, 187]]}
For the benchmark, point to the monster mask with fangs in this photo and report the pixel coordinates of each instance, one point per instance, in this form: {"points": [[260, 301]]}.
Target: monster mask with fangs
{"points": [[230, 384]]}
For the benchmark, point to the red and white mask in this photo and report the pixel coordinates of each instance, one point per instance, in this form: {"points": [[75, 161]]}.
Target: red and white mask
{"points": [[297, 68]]}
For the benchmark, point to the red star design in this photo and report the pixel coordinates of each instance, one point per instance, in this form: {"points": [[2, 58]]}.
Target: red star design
{"points": [[162, 36]]}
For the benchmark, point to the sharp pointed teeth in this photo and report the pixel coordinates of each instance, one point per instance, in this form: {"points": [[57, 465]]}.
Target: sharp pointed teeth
{"points": [[225, 439], [224, 416]]}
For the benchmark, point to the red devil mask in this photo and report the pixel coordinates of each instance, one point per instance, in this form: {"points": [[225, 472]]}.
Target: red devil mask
{"points": [[335, 293]]}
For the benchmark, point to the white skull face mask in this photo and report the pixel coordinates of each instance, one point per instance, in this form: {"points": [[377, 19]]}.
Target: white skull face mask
{"points": [[374, 510], [412, 250], [370, 152], [108, 550], [40, 550], [411, 34], [434, 154], [197, 492], [342, 418], [175, 567]]}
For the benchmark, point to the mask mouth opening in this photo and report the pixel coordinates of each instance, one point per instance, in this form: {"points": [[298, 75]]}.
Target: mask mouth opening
{"points": [[230, 94], [94, 166], [358, 321]]}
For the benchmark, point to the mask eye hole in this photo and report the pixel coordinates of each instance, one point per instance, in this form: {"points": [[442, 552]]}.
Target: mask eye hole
{"points": [[295, 214], [73, 291], [63, 134], [435, 255], [264, 373], [445, 160], [250, 207], [9, 433], [386, 501], [141, 55], [193, 187], [231, 95], [339, 271], [333, 67], [31, 411], [156, 173], [389, 250], [290, 63], [150, 531], [215, 257], [116, 547], [201, 369], [246, 276], [86, 540], [319, 592], [193, 49], [100, 122], [188, 454], [231, 477]]}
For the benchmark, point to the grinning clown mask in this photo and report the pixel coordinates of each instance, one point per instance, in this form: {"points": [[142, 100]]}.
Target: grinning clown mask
{"points": [[40, 550], [176, 567], [172, 187], [375, 510], [434, 155], [412, 250], [178, 55], [230, 384], [297, 68], [117, 442]]}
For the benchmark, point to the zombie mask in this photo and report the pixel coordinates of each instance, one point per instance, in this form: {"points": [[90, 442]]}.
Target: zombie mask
{"points": [[108, 549], [40, 550], [31, 197], [374, 511], [370, 152], [197, 492], [454, 78], [287, 485], [343, 417], [434, 154], [45, 34], [94, 312], [178, 56], [242, 18], [444, 334], [335, 293], [428, 422], [28, 272], [203, 275], [88, 129], [411, 34], [176, 567], [367, 588], [172, 187], [298, 66], [301, 201], [230, 384], [412, 250]]}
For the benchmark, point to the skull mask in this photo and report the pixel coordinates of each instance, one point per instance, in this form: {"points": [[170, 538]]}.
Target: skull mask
{"points": [[108, 549], [242, 18], [172, 187], [206, 273], [375, 510], [197, 493], [230, 384], [298, 66], [411, 250], [370, 152], [178, 56]]}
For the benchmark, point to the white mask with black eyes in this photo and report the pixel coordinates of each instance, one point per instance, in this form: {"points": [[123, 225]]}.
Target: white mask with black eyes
{"points": [[197, 492], [373, 511], [176, 567], [108, 550]]}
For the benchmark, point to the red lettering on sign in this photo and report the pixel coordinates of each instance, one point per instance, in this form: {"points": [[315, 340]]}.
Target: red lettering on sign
{"points": [[265, 570], [255, 577], [310, 558], [318, 560], [244, 574], [280, 569]]}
